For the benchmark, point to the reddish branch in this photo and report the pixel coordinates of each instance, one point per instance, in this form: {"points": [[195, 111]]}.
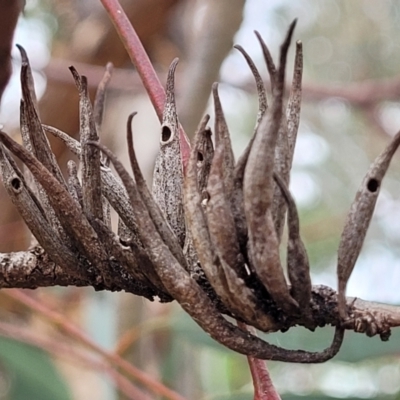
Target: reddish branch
{"points": [[9, 12], [142, 63], [263, 387]]}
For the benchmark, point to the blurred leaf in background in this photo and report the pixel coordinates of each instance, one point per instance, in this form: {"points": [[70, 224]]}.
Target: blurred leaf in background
{"points": [[29, 373], [347, 45]]}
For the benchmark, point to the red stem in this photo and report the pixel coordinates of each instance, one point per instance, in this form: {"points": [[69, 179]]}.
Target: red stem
{"points": [[263, 387], [142, 63]]}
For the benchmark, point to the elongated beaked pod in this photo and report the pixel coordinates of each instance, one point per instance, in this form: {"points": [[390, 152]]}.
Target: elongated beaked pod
{"points": [[298, 266], [358, 219], [258, 195], [168, 170]]}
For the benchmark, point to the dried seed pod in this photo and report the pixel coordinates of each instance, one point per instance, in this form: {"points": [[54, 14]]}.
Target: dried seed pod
{"points": [[231, 289], [221, 223], [98, 108], [297, 260], [221, 133], [66, 209], [98, 111], [72, 144], [156, 214], [262, 98], [241, 300], [129, 262], [100, 99], [90, 156], [358, 219], [106, 211], [258, 193], [34, 216], [205, 153], [282, 156], [196, 303], [294, 104], [190, 296], [116, 195], [286, 142], [281, 167], [74, 186], [168, 170], [237, 196], [30, 84], [282, 153], [38, 141], [137, 204], [112, 188], [268, 60], [195, 213]]}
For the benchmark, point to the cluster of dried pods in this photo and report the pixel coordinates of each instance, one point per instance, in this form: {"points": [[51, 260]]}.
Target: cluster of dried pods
{"points": [[209, 234]]}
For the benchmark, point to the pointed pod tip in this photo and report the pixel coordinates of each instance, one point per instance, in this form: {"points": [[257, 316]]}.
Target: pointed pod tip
{"points": [[23, 53], [79, 80], [74, 72], [242, 51], [217, 101], [130, 118], [205, 119], [131, 115], [261, 41], [292, 26], [215, 87], [200, 129], [173, 65], [289, 34], [170, 86]]}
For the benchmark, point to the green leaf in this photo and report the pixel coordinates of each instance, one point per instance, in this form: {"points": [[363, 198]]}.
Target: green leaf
{"points": [[31, 373]]}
